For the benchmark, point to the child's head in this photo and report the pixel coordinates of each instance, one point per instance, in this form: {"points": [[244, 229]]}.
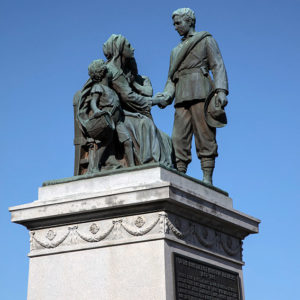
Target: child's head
{"points": [[97, 70]]}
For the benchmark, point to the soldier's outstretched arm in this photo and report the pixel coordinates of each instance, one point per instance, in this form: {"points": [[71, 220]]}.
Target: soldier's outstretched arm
{"points": [[167, 96], [169, 90]]}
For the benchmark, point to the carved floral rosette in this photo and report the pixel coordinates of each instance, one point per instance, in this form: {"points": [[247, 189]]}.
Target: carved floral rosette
{"points": [[123, 230]]}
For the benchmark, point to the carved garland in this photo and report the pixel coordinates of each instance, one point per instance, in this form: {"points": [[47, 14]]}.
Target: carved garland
{"points": [[203, 238], [206, 238], [174, 229], [98, 238], [139, 232], [227, 246], [165, 226], [50, 236]]}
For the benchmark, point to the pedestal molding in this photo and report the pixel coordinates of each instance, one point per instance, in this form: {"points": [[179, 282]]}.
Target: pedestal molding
{"points": [[161, 225]]}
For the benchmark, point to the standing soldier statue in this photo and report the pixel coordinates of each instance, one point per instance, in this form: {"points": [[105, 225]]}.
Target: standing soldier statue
{"points": [[199, 99]]}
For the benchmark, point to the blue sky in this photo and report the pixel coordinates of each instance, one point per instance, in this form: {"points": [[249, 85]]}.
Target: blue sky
{"points": [[46, 47]]}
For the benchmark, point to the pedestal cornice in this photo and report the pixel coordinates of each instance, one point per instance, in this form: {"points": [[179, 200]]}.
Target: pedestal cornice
{"points": [[143, 190]]}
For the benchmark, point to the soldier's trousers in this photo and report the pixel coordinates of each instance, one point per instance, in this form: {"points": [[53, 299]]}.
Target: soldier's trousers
{"points": [[189, 119]]}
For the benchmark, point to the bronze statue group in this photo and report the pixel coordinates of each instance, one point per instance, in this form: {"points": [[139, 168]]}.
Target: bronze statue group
{"points": [[114, 127]]}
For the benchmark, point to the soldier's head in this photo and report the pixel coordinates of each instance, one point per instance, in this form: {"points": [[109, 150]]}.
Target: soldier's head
{"points": [[184, 20], [97, 70]]}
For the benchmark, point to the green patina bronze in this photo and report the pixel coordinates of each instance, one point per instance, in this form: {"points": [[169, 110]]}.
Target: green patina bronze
{"points": [[199, 99], [114, 127]]}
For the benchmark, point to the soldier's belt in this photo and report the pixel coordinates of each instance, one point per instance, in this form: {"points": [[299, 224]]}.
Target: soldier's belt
{"points": [[186, 71], [189, 71]]}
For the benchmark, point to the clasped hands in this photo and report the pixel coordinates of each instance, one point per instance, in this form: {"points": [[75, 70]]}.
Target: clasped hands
{"points": [[161, 99]]}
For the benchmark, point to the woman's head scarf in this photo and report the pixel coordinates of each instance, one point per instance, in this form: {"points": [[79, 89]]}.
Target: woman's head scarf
{"points": [[113, 50], [114, 46]]}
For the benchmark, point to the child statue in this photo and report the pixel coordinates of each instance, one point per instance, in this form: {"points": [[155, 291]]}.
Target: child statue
{"points": [[100, 115]]}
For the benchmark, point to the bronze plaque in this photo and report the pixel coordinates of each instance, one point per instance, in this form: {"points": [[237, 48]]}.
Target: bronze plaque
{"points": [[196, 280]]}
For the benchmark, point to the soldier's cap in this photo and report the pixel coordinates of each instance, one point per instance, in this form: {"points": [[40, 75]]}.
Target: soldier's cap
{"points": [[215, 115]]}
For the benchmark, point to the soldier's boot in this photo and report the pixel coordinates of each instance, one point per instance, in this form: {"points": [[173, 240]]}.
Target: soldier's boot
{"points": [[181, 166], [207, 166]]}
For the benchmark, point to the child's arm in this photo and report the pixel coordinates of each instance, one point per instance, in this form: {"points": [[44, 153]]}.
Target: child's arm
{"points": [[94, 106], [94, 101]]}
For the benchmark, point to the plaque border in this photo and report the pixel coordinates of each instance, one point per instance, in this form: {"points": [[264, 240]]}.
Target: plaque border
{"points": [[175, 254]]}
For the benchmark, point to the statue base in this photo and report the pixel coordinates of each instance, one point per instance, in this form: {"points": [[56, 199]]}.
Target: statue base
{"points": [[135, 233]]}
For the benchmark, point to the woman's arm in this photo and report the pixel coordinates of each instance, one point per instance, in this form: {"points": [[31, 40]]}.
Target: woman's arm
{"points": [[130, 99], [143, 86]]}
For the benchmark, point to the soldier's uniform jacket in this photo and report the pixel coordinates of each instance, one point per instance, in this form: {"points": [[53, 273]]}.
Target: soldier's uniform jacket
{"points": [[190, 63]]}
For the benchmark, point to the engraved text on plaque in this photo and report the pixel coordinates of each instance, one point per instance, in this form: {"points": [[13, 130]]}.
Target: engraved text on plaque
{"points": [[197, 280]]}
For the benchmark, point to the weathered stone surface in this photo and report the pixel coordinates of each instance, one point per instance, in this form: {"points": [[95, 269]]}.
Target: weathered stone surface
{"points": [[148, 189], [131, 271], [88, 237]]}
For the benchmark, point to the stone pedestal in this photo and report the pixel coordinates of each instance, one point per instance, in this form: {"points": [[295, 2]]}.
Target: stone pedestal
{"points": [[143, 233]]}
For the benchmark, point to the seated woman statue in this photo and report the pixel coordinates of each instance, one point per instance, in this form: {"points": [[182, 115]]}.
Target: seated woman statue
{"points": [[135, 91]]}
